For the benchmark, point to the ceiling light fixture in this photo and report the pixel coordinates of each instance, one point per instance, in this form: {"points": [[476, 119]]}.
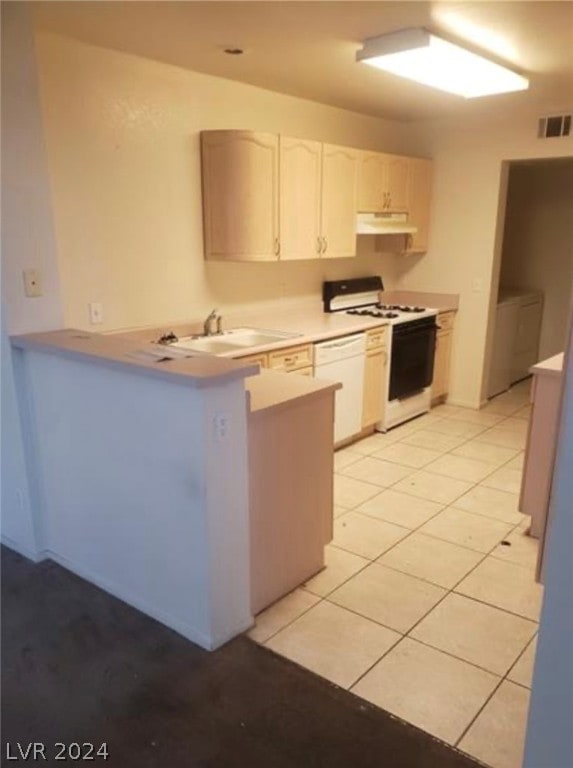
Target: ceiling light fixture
{"points": [[421, 56]]}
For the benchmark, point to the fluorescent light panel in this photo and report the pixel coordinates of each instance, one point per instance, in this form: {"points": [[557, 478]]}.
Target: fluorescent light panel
{"points": [[421, 56]]}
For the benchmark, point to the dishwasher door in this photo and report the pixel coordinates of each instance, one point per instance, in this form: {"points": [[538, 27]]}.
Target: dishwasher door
{"points": [[343, 360]]}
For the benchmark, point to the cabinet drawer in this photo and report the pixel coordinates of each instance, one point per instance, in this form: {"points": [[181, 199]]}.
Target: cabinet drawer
{"points": [[446, 320], [377, 337], [292, 358], [262, 359]]}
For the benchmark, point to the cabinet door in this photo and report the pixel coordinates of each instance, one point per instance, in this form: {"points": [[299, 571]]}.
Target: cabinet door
{"points": [[300, 183], [396, 172], [442, 364], [338, 211], [240, 195], [370, 182], [374, 387], [419, 200]]}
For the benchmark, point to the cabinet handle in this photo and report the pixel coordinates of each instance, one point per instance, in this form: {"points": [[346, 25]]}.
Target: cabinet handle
{"points": [[325, 244], [277, 246], [319, 245]]}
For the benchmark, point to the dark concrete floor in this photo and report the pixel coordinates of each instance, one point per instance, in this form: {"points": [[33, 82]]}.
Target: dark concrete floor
{"points": [[81, 666]]}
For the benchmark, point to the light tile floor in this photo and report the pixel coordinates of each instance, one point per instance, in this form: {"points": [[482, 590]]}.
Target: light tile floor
{"points": [[421, 609]]}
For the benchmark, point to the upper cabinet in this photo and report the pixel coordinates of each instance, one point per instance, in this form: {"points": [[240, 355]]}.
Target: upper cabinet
{"points": [[419, 199], [300, 198], [338, 208], [382, 182], [268, 197], [240, 195]]}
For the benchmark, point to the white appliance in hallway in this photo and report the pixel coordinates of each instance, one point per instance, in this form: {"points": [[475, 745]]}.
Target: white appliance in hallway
{"points": [[412, 344], [343, 360]]}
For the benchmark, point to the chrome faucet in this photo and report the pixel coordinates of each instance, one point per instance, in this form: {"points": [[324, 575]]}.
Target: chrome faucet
{"points": [[208, 324]]}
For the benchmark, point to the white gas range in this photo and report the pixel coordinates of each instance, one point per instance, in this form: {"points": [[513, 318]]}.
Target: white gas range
{"points": [[407, 388]]}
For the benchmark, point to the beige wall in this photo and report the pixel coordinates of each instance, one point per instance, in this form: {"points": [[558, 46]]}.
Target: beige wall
{"points": [[27, 225], [123, 141], [538, 242], [465, 242]]}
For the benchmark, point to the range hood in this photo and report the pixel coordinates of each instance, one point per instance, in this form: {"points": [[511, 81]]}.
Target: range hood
{"points": [[383, 224]]}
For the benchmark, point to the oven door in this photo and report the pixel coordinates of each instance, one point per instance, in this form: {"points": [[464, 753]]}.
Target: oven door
{"points": [[412, 359]]}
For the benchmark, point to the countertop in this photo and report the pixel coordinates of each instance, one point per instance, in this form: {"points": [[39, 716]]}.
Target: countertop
{"points": [[553, 366], [194, 369], [306, 319], [275, 389]]}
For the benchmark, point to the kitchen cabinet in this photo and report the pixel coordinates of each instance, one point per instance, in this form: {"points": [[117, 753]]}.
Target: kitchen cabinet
{"points": [[419, 201], [297, 359], [240, 174], [261, 359], [292, 358], [300, 198], [383, 182], [338, 201], [267, 197], [318, 184], [375, 376], [442, 356], [290, 433]]}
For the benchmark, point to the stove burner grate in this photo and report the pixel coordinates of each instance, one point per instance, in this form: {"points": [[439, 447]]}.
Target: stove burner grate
{"points": [[401, 307], [373, 313]]}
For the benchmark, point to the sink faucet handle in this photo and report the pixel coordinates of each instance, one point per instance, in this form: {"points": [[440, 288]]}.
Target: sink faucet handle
{"points": [[219, 324]]}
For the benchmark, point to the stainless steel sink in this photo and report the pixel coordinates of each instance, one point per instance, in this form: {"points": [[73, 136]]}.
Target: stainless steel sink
{"points": [[233, 340]]}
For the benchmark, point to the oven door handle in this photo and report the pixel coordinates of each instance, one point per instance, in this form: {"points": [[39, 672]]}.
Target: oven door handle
{"points": [[409, 332]]}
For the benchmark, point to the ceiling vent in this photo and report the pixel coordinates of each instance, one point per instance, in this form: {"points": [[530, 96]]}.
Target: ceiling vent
{"points": [[554, 126]]}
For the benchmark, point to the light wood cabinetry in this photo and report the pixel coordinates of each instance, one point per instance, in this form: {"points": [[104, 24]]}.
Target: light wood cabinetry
{"points": [[297, 359], [291, 359], [267, 197], [300, 198], [338, 201], [262, 359], [383, 182], [240, 172], [419, 200], [442, 356], [375, 376]]}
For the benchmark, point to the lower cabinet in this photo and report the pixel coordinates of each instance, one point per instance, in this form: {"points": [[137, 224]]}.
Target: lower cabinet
{"points": [[375, 376], [443, 353], [297, 359], [291, 466]]}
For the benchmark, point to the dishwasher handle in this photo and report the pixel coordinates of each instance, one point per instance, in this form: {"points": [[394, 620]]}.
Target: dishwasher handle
{"points": [[340, 348]]}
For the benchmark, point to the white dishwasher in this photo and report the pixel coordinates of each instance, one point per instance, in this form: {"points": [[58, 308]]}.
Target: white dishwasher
{"points": [[343, 360]]}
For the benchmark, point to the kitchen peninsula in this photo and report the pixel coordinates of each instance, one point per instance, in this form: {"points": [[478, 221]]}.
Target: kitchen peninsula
{"points": [[141, 479]]}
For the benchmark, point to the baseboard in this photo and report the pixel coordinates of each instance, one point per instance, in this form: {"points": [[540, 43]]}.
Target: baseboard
{"points": [[463, 403], [208, 642], [35, 557]]}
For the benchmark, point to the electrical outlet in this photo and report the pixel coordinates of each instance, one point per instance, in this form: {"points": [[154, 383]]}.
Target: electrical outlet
{"points": [[477, 285], [221, 423], [96, 312], [32, 283]]}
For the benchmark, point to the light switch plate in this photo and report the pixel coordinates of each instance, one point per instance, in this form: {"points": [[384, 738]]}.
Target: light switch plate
{"points": [[96, 312], [32, 283]]}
